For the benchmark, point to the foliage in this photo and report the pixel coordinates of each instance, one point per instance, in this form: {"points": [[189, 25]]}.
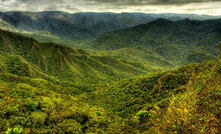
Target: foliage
{"points": [[141, 115], [40, 110], [14, 130], [196, 110], [50, 88], [24, 56]]}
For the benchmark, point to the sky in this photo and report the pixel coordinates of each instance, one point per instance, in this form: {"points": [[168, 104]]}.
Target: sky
{"points": [[209, 7]]}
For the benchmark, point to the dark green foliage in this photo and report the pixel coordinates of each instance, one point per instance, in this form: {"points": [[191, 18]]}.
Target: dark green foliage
{"points": [[14, 66], [32, 105], [98, 113]]}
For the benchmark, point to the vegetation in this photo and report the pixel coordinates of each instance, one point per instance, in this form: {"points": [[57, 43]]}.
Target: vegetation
{"points": [[185, 100], [35, 108], [79, 26], [51, 88], [25, 56], [163, 43]]}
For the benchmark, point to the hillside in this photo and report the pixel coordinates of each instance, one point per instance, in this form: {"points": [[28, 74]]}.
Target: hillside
{"points": [[24, 56], [160, 44], [50, 88], [177, 43], [130, 95], [6, 26], [34, 106], [185, 100]]}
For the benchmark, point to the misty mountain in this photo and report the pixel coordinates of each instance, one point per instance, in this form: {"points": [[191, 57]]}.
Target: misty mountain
{"points": [[83, 26]]}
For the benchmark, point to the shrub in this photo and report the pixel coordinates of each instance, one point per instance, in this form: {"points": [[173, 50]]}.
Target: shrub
{"points": [[15, 130], [98, 113], [70, 126], [142, 116], [82, 118], [32, 105], [9, 131], [38, 118]]}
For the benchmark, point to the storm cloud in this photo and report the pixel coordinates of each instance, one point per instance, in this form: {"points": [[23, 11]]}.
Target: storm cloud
{"points": [[211, 7]]}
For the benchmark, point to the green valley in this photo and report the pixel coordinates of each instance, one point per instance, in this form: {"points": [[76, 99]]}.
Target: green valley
{"points": [[49, 88], [109, 73]]}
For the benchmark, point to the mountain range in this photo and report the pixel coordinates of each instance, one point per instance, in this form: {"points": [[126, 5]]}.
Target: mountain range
{"points": [[82, 26], [50, 88], [171, 42], [137, 74], [154, 41], [41, 59]]}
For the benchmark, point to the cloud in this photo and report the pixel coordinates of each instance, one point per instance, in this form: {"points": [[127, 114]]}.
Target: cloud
{"points": [[211, 7], [150, 2]]}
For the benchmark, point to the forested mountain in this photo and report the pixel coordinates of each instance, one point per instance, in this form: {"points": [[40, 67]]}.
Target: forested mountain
{"points": [[163, 43], [138, 75], [38, 60], [185, 100], [178, 43], [83, 26], [50, 88]]}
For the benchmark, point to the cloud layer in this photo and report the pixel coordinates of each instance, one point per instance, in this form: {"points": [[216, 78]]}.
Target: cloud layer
{"points": [[211, 7], [151, 2]]}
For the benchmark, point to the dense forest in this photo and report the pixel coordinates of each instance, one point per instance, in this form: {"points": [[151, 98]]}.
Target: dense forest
{"points": [[39, 96], [160, 77]]}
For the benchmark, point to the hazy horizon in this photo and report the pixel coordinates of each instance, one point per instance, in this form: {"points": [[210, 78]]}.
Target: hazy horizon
{"points": [[201, 7], [109, 12]]}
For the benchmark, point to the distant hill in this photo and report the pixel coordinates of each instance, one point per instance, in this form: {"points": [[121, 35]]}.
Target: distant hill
{"points": [[180, 42], [83, 26], [6, 26]]}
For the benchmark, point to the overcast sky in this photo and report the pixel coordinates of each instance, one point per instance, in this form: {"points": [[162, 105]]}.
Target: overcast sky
{"points": [[210, 7]]}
